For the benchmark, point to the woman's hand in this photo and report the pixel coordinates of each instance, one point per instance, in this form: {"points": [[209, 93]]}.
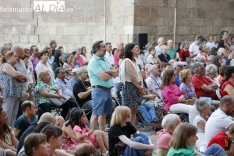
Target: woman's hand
{"points": [[90, 131], [181, 98], [152, 97]]}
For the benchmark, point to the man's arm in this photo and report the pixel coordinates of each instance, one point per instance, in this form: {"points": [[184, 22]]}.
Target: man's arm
{"points": [[83, 95]]}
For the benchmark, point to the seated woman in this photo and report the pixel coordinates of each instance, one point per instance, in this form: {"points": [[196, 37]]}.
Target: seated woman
{"points": [[36, 145], [120, 133], [58, 60], [97, 138], [164, 57], [203, 86], [185, 144], [211, 73], [69, 138], [222, 70], [68, 65], [227, 87], [200, 121], [54, 135], [46, 89], [225, 140], [8, 141], [175, 100]]}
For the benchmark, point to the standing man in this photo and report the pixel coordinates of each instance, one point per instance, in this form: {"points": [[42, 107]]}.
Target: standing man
{"points": [[116, 53], [170, 50], [194, 47], [34, 58], [100, 74], [109, 56]]}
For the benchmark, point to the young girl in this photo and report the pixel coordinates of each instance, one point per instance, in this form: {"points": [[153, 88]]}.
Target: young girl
{"points": [[183, 141], [97, 138]]}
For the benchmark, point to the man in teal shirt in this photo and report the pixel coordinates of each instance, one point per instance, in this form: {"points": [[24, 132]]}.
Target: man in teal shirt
{"points": [[100, 75], [171, 51]]}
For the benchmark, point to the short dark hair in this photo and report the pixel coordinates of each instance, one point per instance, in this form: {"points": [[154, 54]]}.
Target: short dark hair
{"points": [[52, 42], [222, 33], [96, 46], [25, 105], [226, 100], [31, 48], [60, 47], [127, 50], [57, 70], [46, 48], [42, 53], [107, 43]]}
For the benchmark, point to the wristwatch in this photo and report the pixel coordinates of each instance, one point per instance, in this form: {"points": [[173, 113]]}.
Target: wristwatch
{"points": [[232, 141]]}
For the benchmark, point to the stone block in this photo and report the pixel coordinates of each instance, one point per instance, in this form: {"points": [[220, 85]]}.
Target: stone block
{"points": [[205, 31], [218, 22], [100, 30], [33, 38], [171, 3], [124, 39], [152, 29], [208, 22], [59, 30], [129, 20], [86, 39], [129, 11], [71, 30], [211, 14], [24, 38], [41, 30], [81, 30], [144, 3], [91, 29], [110, 29], [75, 39], [182, 30], [191, 4], [44, 38], [115, 39], [128, 29], [181, 3], [5, 30], [194, 30], [197, 22], [15, 38], [201, 13], [157, 3], [119, 29], [51, 30]]}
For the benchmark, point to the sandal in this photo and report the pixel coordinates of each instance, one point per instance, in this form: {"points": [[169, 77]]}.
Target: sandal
{"points": [[105, 154]]}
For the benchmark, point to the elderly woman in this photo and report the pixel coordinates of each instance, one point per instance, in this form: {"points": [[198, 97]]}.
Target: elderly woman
{"points": [[68, 65], [200, 121], [186, 86], [3, 50], [227, 88], [175, 100], [203, 85], [203, 52], [184, 53], [11, 82], [43, 64], [211, 72], [164, 57], [46, 89]]}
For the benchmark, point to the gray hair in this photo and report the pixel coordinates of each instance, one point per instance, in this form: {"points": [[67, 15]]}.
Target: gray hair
{"points": [[2, 48], [184, 43], [201, 105], [211, 68], [57, 70], [79, 70], [15, 48], [160, 39], [232, 48], [201, 46], [169, 119], [196, 67], [199, 58], [226, 100]]}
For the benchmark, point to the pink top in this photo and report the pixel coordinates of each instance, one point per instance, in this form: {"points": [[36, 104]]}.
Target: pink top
{"points": [[80, 61], [171, 94], [163, 139], [116, 57], [91, 137]]}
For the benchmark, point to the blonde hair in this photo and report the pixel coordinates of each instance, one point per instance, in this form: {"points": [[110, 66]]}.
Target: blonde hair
{"points": [[182, 132], [119, 115], [5, 58], [184, 73], [42, 74]]}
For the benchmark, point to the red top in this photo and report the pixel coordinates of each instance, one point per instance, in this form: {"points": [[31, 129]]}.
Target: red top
{"points": [[198, 82], [221, 139], [222, 91], [116, 57], [184, 55]]}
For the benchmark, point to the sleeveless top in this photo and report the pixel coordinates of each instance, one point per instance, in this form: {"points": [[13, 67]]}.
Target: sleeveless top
{"points": [[222, 91], [11, 86]]}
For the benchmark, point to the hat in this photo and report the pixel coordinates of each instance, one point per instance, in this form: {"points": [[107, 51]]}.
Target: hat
{"points": [[179, 64], [199, 37]]}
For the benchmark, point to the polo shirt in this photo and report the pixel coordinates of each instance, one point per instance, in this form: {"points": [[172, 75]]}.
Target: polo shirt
{"points": [[97, 65], [171, 52], [218, 121], [163, 139]]}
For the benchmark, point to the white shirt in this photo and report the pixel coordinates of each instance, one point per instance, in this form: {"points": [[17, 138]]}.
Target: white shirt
{"points": [[41, 67], [194, 49], [210, 45], [109, 57], [154, 84], [139, 61], [150, 59], [218, 121], [158, 50]]}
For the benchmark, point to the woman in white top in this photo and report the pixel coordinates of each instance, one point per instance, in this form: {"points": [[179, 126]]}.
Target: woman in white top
{"points": [[43, 65], [212, 73], [200, 121], [131, 77]]}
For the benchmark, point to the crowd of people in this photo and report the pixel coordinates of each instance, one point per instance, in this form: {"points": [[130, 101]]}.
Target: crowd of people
{"points": [[118, 86]]}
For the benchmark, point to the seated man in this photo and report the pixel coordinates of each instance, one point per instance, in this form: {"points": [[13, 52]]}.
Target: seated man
{"points": [[221, 119], [225, 140], [74, 78], [24, 121], [169, 123], [65, 86]]}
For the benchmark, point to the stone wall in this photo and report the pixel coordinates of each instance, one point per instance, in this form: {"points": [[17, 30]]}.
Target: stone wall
{"points": [[124, 19], [206, 17]]}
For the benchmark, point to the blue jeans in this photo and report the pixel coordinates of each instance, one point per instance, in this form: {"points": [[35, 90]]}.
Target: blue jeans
{"points": [[215, 150], [148, 112], [141, 138]]}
